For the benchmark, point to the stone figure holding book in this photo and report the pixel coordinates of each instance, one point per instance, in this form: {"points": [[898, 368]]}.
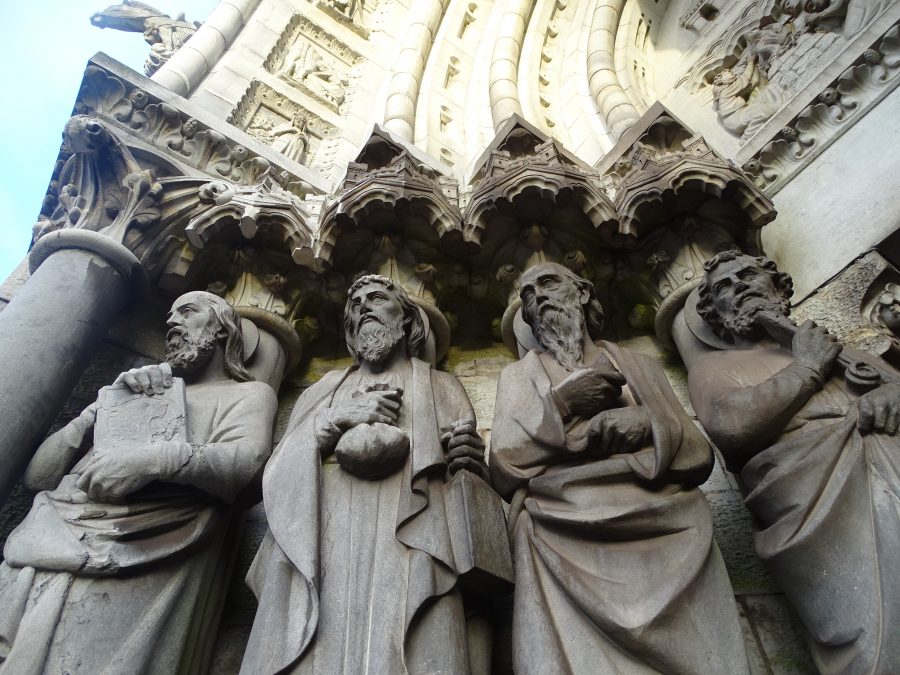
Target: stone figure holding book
{"points": [[811, 426], [616, 567], [110, 569], [360, 571]]}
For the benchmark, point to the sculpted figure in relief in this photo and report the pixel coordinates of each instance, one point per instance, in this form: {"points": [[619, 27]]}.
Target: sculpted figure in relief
{"points": [[743, 99], [357, 572], [306, 65], [110, 568], [812, 429], [616, 567], [291, 138]]}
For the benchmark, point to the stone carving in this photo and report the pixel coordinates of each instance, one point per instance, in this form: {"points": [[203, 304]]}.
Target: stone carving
{"points": [[288, 127], [358, 570], [316, 73], [885, 313], [107, 571], [771, 53], [812, 429], [291, 139], [616, 567], [742, 100], [856, 91], [118, 103], [164, 34]]}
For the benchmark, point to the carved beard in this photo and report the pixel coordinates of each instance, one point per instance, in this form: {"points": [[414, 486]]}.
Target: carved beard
{"points": [[743, 322], [187, 354], [560, 330], [375, 341]]}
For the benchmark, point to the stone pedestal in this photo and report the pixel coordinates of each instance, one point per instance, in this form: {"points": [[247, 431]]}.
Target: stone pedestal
{"points": [[79, 281]]}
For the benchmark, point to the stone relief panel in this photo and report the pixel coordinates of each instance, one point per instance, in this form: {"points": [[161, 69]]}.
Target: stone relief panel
{"points": [[769, 54], [315, 63], [290, 128], [846, 99]]}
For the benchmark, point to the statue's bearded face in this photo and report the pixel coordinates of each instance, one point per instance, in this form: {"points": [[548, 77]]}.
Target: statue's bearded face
{"points": [[194, 334], [740, 290], [376, 320], [554, 304]]}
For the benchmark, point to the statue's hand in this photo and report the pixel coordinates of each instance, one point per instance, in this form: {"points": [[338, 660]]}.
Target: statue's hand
{"points": [[147, 380], [367, 408], [879, 410], [110, 477], [465, 449], [620, 430], [588, 390], [814, 348]]}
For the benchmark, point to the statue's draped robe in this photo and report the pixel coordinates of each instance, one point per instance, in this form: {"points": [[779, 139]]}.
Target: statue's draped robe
{"points": [[827, 501], [616, 568], [88, 587], [355, 575]]}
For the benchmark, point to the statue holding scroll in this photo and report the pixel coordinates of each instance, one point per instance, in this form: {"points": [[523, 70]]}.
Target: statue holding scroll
{"points": [[109, 570], [359, 570], [812, 429], [616, 567]]}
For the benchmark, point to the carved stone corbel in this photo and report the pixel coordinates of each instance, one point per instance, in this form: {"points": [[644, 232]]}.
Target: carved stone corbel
{"points": [[682, 203]]}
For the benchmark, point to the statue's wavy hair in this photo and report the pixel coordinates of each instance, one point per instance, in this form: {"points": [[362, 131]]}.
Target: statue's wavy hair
{"points": [[413, 324], [230, 325], [593, 310], [705, 307]]}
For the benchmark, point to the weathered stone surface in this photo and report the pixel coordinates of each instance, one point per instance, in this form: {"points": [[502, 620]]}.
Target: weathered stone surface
{"points": [[361, 547], [812, 429], [147, 455], [585, 526]]}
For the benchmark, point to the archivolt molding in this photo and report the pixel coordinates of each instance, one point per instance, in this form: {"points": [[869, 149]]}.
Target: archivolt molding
{"points": [[400, 109], [846, 99], [612, 104], [504, 70]]}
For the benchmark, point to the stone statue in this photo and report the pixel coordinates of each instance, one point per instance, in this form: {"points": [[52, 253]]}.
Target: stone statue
{"points": [[357, 572], [108, 571], [812, 429], [743, 99], [306, 65], [164, 34], [616, 567], [290, 139]]}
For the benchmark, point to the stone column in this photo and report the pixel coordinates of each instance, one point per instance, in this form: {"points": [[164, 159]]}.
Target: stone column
{"points": [[80, 280]]}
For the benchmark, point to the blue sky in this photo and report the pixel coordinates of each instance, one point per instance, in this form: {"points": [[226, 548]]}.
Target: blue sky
{"points": [[47, 44]]}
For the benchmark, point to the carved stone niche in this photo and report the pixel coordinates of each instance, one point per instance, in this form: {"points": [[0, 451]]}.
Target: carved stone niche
{"points": [[682, 203], [399, 217], [532, 201]]}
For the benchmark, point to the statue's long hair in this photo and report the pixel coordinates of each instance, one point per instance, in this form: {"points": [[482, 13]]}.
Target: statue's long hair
{"points": [[230, 324], [705, 307], [593, 310], [413, 325]]}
